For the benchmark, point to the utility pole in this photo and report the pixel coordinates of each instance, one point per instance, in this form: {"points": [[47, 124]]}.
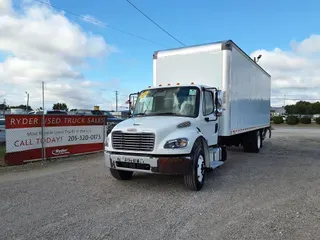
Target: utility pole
{"points": [[117, 101], [284, 104], [43, 147], [27, 102], [4, 107]]}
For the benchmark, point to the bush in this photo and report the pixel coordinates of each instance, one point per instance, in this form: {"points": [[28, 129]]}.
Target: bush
{"points": [[318, 120], [277, 120], [292, 120], [305, 120]]}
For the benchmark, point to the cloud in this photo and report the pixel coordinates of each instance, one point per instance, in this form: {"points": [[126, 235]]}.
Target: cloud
{"points": [[42, 44], [308, 46], [295, 73], [93, 20], [5, 7]]}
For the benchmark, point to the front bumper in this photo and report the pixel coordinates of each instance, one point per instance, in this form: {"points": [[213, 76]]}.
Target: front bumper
{"points": [[148, 164]]}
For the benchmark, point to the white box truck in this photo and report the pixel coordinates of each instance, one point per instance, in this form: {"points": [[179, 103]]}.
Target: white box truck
{"points": [[204, 99]]}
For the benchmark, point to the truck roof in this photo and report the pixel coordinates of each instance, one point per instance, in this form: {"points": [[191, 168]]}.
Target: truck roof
{"points": [[221, 45], [178, 85]]}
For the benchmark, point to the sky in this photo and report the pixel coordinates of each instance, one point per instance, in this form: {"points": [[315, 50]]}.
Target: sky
{"points": [[83, 61]]}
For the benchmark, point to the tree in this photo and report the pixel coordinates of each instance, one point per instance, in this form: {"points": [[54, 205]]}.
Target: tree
{"points": [[22, 107], [3, 106], [60, 106], [303, 108], [316, 108]]}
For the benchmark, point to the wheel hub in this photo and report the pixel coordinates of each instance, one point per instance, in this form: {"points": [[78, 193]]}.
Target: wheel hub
{"points": [[200, 168], [259, 141]]}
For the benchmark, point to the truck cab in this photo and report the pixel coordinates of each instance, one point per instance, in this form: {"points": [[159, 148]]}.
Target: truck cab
{"points": [[173, 130]]}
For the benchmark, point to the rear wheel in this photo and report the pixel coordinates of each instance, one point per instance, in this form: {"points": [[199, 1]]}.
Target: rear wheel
{"points": [[224, 153], [194, 180], [252, 142], [121, 175]]}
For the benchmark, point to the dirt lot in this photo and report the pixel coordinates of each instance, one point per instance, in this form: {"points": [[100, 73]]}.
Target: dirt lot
{"points": [[272, 195]]}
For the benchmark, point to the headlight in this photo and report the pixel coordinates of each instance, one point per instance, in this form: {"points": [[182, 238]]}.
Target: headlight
{"points": [[106, 142], [176, 143]]}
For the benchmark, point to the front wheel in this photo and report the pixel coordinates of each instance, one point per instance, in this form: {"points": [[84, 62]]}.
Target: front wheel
{"points": [[194, 180], [121, 175]]}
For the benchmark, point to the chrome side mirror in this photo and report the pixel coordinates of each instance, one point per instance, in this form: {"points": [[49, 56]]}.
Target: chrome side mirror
{"points": [[219, 97]]}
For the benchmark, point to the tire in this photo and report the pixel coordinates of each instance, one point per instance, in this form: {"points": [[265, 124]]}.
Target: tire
{"points": [[121, 175], [194, 180], [252, 142], [256, 142], [224, 154], [246, 143], [261, 140]]}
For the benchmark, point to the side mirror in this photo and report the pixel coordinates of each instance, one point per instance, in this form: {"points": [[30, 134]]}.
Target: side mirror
{"points": [[219, 96], [131, 105]]}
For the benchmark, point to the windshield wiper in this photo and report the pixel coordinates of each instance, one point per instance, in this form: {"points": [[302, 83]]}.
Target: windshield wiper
{"points": [[168, 113], [139, 114]]}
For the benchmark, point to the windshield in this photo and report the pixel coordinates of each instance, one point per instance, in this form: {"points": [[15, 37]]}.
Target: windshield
{"points": [[176, 101]]}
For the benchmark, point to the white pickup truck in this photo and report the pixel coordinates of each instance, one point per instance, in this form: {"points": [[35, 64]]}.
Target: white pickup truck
{"points": [[204, 99]]}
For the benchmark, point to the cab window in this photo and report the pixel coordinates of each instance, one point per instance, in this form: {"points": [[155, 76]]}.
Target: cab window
{"points": [[208, 106]]}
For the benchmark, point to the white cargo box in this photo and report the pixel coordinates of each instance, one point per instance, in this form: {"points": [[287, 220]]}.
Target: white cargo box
{"points": [[223, 65]]}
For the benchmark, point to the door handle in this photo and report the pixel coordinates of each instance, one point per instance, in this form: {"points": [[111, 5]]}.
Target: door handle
{"points": [[216, 128]]}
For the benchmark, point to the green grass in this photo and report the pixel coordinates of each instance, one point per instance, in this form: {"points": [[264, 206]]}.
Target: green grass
{"points": [[2, 153]]}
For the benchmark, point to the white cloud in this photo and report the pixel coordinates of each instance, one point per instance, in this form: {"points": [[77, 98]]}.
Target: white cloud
{"points": [[41, 44], [295, 73], [308, 46], [93, 20], [5, 7]]}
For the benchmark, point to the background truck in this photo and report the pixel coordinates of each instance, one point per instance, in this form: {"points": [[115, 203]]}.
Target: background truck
{"points": [[204, 99]]}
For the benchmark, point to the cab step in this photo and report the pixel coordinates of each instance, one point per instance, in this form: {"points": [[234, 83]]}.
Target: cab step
{"points": [[215, 164]]}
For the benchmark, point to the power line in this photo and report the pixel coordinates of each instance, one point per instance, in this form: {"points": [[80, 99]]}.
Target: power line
{"points": [[100, 23], [154, 22]]}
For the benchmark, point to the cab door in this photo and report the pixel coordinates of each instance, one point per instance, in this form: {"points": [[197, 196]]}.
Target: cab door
{"points": [[209, 122]]}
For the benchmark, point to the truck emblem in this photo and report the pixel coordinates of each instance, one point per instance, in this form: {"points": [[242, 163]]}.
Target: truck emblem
{"points": [[131, 130]]}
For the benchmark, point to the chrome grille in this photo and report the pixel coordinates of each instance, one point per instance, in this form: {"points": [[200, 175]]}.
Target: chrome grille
{"points": [[133, 141]]}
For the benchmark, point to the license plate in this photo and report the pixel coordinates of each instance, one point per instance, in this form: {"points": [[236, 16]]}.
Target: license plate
{"points": [[129, 159]]}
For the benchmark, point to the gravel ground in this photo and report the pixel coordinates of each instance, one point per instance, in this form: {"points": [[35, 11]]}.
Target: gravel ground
{"points": [[272, 195]]}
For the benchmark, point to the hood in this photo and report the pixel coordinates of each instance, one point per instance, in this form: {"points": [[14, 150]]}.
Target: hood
{"points": [[153, 124]]}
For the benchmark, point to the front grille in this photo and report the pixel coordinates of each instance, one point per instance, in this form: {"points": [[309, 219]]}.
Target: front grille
{"points": [[133, 141]]}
